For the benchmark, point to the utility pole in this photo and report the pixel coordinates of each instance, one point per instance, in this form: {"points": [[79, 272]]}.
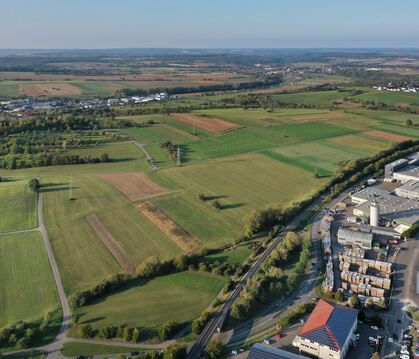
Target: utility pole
{"points": [[193, 128], [70, 195], [178, 156]]}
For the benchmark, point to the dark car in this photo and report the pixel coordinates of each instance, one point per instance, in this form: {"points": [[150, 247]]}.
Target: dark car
{"points": [[395, 337], [81, 357], [134, 353]]}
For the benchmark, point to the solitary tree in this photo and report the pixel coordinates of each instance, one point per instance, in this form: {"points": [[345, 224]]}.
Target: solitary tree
{"points": [[34, 185], [354, 301], [136, 335]]}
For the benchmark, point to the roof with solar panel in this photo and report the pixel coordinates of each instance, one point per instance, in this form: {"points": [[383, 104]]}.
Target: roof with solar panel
{"points": [[329, 324]]}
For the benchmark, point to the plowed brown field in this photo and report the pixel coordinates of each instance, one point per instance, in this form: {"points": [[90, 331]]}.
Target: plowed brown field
{"points": [[135, 186], [388, 136]]}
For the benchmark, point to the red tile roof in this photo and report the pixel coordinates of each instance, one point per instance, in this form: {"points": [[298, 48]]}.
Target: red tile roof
{"points": [[318, 317]]}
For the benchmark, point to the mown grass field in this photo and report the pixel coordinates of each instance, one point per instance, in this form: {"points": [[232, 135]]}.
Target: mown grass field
{"points": [[234, 255], [147, 304], [82, 257], [321, 156], [233, 143], [125, 156], [18, 210], [399, 130], [74, 349], [361, 142], [27, 287], [240, 183], [390, 98]]}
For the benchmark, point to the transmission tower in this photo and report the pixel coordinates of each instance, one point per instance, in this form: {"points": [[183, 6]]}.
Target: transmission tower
{"points": [[178, 156]]}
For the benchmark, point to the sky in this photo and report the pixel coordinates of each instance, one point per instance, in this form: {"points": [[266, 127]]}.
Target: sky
{"points": [[105, 24]]}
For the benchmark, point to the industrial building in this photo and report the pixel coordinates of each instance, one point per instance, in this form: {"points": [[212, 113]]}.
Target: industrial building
{"points": [[390, 168], [410, 189], [393, 209], [260, 351], [355, 238], [328, 331]]}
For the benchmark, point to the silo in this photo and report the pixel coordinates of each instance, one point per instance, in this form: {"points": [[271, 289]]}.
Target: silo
{"points": [[374, 214]]}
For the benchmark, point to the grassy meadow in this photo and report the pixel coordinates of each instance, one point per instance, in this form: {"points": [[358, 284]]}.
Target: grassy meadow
{"points": [[82, 257], [18, 210], [27, 287], [148, 303]]}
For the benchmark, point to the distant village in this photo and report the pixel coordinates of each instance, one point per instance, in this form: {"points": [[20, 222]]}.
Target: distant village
{"points": [[390, 87], [23, 107]]}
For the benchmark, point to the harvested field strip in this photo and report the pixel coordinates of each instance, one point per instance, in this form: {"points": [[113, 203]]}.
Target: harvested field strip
{"points": [[211, 124], [176, 233], [135, 186], [49, 89], [387, 136], [110, 242]]}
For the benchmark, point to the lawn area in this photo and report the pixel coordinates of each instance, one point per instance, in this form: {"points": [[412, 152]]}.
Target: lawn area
{"points": [[233, 255], [361, 142], [158, 155], [27, 287], [74, 349], [148, 303], [187, 211], [320, 98], [82, 257], [158, 133], [241, 183], [233, 143], [389, 98], [321, 156], [19, 205], [125, 156], [308, 131]]}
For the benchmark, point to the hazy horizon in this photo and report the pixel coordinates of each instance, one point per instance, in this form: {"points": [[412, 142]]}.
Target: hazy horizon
{"points": [[216, 24]]}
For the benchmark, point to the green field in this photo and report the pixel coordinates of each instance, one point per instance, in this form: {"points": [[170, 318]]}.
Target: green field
{"points": [[233, 143], [320, 98], [235, 255], [125, 156], [147, 304], [241, 183], [389, 98], [74, 349], [27, 287], [19, 205], [362, 142], [82, 257], [321, 156], [399, 130]]}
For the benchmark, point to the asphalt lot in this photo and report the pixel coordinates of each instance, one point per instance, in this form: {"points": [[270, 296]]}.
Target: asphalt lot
{"points": [[361, 349]]}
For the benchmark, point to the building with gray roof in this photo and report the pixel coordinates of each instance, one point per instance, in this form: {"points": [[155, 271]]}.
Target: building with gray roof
{"points": [[410, 189], [355, 238], [260, 351]]}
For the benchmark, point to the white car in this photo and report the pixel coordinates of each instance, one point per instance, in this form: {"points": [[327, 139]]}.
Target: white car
{"points": [[390, 339], [374, 327], [357, 336], [404, 356], [268, 341], [404, 351]]}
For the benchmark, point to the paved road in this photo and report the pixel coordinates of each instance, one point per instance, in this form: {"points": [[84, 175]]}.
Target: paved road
{"points": [[148, 156]]}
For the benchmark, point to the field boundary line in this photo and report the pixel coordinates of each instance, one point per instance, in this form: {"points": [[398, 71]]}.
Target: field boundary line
{"points": [[20, 231], [112, 244]]}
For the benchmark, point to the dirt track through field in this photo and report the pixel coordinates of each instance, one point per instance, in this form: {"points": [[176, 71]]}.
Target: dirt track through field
{"points": [[135, 186], [111, 243], [388, 136], [210, 124], [176, 233]]}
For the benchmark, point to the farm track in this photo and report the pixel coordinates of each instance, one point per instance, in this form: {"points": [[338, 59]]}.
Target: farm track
{"points": [[148, 156]]}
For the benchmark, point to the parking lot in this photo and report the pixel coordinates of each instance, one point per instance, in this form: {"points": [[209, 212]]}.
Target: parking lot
{"points": [[361, 349]]}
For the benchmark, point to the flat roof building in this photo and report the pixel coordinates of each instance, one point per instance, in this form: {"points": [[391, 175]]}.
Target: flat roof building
{"points": [[390, 168], [409, 189], [392, 208], [328, 331], [355, 238], [410, 172]]}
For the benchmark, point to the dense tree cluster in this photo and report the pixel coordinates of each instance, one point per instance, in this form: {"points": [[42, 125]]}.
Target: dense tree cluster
{"points": [[23, 335], [88, 331], [199, 324], [272, 281], [107, 285], [168, 329], [293, 317], [170, 149], [265, 82]]}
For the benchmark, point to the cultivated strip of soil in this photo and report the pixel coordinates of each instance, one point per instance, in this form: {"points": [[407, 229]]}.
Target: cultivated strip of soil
{"points": [[111, 243], [135, 186], [388, 136], [176, 233]]}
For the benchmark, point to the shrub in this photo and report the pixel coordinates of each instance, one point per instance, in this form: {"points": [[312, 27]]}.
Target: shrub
{"points": [[201, 196], [34, 185], [136, 335], [86, 331], [167, 330], [215, 349], [174, 351], [216, 205], [339, 296]]}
